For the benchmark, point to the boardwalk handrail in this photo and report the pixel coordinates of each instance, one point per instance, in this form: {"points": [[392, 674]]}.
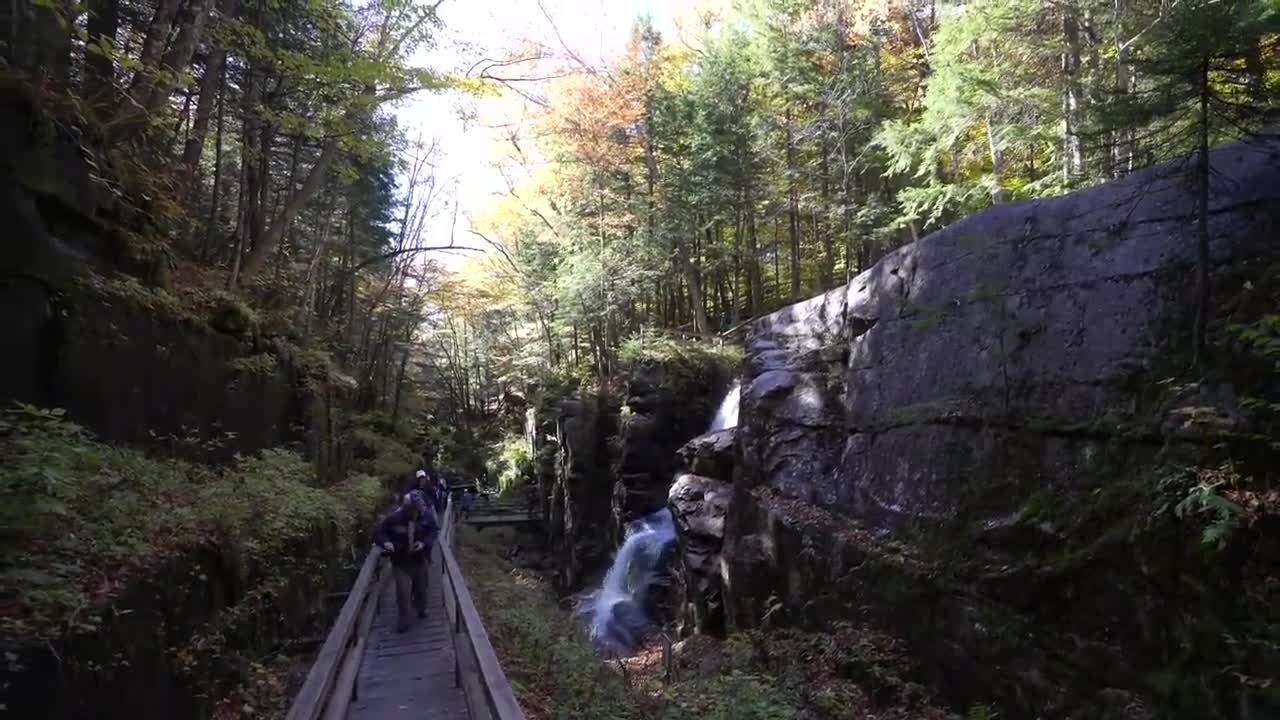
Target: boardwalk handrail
{"points": [[330, 683], [477, 671]]}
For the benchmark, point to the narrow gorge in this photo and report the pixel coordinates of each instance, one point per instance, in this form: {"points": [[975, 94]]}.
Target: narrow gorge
{"points": [[983, 445]]}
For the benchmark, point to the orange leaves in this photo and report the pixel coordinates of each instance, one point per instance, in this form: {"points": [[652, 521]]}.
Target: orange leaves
{"points": [[596, 118]]}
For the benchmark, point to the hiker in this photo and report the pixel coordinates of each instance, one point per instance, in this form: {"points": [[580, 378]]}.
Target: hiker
{"points": [[530, 498], [440, 497], [421, 482], [468, 497], [406, 535]]}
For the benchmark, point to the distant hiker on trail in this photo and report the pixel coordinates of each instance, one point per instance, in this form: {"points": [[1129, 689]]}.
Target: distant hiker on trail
{"points": [[440, 497], [468, 497], [406, 535]]}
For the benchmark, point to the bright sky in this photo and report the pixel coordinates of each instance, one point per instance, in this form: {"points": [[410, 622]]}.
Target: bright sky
{"points": [[595, 30]]}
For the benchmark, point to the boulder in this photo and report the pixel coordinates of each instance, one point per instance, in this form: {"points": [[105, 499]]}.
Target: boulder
{"points": [[971, 444], [710, 455], [698, 508]]}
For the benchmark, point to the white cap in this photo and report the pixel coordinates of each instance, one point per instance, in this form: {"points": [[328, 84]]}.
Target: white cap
{"points": [[421, 474]]}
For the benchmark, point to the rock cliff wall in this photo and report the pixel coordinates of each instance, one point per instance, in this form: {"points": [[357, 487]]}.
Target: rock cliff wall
{"points": [[967, 444], [667, 403], [570, 441], [90, 326]]}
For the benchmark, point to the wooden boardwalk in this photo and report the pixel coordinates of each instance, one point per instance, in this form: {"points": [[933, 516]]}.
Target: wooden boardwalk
{"points": [[442, 668], [410, 674], [489, 513]]}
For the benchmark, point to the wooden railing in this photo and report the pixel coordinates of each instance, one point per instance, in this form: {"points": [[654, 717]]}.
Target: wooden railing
{"points": [[331, 683], [477, 671]]}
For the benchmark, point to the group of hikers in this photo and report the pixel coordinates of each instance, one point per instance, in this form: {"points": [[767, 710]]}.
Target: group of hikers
{"points": [[407, 535]]}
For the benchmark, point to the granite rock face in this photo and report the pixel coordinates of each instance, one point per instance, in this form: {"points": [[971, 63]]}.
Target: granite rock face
{"points": [[667, 403], [710, 455], [569, 438], [699, 501], [962, 444]]}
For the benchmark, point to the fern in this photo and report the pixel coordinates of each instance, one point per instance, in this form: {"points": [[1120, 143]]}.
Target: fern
{"points": [[982, 712]]}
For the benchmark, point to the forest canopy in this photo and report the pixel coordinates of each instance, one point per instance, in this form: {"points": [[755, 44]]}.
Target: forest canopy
{"points": [[758, 153]]}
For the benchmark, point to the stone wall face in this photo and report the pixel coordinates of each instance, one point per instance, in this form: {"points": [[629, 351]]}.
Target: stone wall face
{"points": [[666, 405], [129, 371], [957, 445], [569, 438]]}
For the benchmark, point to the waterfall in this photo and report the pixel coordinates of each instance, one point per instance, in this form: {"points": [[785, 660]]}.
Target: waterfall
{"points": [[615, 614], [727, 414]]}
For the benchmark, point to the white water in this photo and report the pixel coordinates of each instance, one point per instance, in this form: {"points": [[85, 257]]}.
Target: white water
{"points": [[727, 414], [615, 614]]}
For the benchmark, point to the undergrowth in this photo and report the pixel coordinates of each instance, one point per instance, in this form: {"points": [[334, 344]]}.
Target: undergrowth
{"points": [[510, 462], [81, 518], [668, 349], [382, 446], [755, 676]]}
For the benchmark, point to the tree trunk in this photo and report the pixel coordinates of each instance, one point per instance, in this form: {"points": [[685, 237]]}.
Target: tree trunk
{"points": [[695, 285], [298, 199], [997, 163], [1072, 150], [132, 113], [177, 56], [1203, 171], [215, 201], [793, 209], [209, 85], [826, 269], [99, 67], [1121, 138], [755, 284]]}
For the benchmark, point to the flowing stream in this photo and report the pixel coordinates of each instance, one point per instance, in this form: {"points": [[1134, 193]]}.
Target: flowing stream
{"points": [[616, 614], [727, 413]]}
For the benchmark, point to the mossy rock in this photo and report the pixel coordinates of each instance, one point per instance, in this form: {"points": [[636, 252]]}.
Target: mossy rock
{"points": [[233, 317]]}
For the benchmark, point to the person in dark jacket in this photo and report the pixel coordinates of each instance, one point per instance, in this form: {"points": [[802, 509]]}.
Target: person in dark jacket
{"points": [[468, 498], [406, 535], [421, 481], [441, 498]]}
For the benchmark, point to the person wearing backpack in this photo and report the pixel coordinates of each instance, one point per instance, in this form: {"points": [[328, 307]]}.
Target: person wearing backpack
{"points": [[406, 536]]}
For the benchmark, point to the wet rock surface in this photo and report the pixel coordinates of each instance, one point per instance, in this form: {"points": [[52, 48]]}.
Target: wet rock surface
{"points": [[698, 507], [710, 455]]}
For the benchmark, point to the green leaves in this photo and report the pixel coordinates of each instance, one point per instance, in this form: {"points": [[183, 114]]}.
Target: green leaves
{"points": [[81, 518], [1204, 499]]}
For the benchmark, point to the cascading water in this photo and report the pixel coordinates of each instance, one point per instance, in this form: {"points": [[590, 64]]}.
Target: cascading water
{"points": [[727, 414], [615, 614]]}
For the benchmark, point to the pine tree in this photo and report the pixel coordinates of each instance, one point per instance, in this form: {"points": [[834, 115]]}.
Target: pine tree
{"points": [[1206, 72]]}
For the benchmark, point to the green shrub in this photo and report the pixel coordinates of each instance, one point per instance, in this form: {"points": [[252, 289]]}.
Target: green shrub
{"points": [[80, 517], [510, 462], [258, 365], [386, 446], [669, 349]]}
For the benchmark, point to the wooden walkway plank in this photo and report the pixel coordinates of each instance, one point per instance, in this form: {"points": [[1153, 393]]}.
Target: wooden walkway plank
{"points": [[410, 675]]}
